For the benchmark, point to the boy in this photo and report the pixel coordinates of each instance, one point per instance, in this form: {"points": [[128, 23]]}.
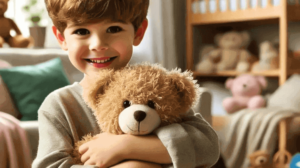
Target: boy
{"points": [[100, 34]]}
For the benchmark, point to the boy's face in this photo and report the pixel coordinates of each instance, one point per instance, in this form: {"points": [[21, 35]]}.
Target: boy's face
{"points": [[99, 45]]}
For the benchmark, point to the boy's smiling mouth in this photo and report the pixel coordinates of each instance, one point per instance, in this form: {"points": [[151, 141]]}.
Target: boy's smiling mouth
{"points": [[101, 62]]}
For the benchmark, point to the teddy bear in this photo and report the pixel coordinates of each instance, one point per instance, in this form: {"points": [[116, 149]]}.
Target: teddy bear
{"points": [[6, 26], [230, 54], [260, 159], [268, 57], [246, 90], [138, 99]]}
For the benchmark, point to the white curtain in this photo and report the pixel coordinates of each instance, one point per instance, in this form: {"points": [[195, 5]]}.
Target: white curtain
{"points": [[164, 41]]}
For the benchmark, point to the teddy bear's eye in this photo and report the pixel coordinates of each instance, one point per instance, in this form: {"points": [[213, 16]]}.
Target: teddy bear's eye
{"points": [[126, 103], [151, 104]]}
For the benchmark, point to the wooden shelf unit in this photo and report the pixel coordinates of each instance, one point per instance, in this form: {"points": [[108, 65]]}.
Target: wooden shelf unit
{"points": [[283, 13]]}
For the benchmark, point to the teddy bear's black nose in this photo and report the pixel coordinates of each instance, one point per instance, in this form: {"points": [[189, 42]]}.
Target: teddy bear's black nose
{"points": [[139, 116]]}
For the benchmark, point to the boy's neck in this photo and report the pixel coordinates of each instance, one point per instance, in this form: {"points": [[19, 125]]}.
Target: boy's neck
{"points": [[84, 82]]}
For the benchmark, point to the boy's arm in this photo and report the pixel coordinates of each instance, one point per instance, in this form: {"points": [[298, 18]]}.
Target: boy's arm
{"points": [[189, 144], [147, 148], [55, 144]]}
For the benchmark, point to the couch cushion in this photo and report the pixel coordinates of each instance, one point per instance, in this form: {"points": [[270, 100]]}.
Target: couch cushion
{"points": [[287, 96], [29, 85], [6, 103], [22, 57]]}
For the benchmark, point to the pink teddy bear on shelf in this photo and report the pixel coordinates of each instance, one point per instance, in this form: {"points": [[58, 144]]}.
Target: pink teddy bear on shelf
{"points": [[246, 90]]}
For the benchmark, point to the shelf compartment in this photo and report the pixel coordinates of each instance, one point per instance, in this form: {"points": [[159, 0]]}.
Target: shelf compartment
{"points": [[293, 12], [269, 73], [241, 15], [293, 71]]}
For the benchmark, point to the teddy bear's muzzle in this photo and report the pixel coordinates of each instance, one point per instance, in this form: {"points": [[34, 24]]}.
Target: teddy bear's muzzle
{"points": [[139, 119]]}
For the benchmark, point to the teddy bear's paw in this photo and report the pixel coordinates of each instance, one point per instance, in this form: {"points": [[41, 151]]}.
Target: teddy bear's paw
{"points": [[221, 67], [242, 67], [205, 66], [230, 105], [256, 102]]}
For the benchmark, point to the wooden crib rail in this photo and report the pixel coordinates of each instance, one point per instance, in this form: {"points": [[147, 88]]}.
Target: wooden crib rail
{"points": [[238, 5], [248, 13]]}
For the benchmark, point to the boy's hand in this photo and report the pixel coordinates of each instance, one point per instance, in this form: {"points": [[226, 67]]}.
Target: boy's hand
{"points": [[136, 164], [103, 151]]}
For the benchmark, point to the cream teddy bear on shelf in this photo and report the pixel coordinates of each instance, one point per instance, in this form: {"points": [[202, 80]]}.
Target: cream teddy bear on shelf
{"points": [[230, 55], [268, 57]]}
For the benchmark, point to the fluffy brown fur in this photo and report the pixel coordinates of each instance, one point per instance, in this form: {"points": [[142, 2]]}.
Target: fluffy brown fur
{"points": [[173, 92]]}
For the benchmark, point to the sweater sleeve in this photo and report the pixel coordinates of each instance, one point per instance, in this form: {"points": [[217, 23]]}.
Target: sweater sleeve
{"points": [[56, 134], [55, 143], [191, 143]]}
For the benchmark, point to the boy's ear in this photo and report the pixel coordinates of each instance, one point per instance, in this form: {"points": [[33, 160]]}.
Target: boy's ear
{"points": [[60, 38], [140, 33]]}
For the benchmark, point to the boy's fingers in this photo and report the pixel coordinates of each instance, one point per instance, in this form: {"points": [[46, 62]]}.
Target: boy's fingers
{"points": [[82, 149], [90, 162], [84, 158]]}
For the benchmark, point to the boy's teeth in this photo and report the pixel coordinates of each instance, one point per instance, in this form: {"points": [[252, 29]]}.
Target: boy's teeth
{"points": [[100, 61]]}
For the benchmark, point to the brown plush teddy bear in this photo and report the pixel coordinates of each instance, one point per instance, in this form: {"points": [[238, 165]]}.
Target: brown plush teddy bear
{"points": [[138, 99], [6, 26], [260, 159], [230, 55]]}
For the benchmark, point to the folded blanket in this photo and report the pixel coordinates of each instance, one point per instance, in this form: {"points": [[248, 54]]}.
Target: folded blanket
{"points": [[14, 145], [249, 131]]}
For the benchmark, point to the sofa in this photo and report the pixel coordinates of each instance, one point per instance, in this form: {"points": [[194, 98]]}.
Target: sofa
{"points": [[23, 57]]}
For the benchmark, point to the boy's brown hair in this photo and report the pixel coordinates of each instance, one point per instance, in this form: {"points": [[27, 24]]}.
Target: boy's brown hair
{"points": [[84, 11]]}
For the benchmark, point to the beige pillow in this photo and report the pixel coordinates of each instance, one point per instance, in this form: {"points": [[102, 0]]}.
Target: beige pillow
{"points": [[6, 103], [287, 96]]}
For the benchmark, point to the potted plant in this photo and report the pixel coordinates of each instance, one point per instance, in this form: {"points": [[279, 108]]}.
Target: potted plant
{"points": [[35, 13]]}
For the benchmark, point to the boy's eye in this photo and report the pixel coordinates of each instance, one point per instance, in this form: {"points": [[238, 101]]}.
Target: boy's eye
{"points": [[81, 32], [114, 29]]}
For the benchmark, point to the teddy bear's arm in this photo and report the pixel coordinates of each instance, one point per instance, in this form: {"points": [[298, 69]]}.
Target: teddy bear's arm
{"points": [[244, 61], [215, 55], [15, 27]]}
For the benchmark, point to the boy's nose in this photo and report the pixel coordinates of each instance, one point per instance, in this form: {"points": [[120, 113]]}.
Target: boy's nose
{"points": [[98, 45]]}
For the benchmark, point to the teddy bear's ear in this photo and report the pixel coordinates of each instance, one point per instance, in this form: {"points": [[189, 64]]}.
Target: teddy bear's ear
{"points": [[218, 38], [97, 85], [188, 89], [262, 81], [229, 83], [246, 38]]}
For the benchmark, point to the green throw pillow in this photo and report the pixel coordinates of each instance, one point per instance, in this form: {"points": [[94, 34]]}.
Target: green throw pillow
{"points": [[29, 85]]}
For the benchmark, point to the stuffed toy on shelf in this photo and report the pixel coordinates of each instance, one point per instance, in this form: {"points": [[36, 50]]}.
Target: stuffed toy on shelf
{"points": [[268, 57], [246, 93], [260, 159], [229, 55], [7, 25], [139, 99]]}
